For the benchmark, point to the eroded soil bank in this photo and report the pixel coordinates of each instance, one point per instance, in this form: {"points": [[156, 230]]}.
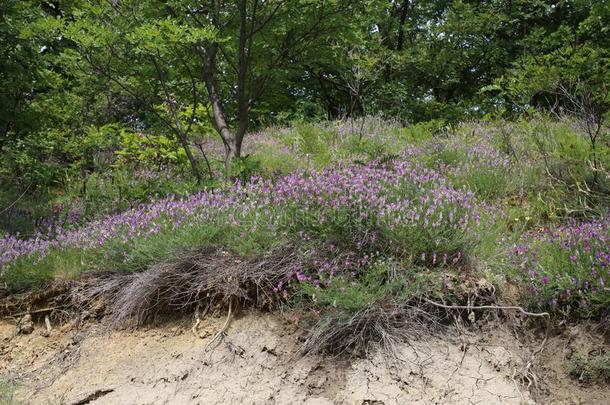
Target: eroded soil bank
{"points": [[257, 364]]}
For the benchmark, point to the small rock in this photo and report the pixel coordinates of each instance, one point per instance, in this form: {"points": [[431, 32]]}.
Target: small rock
{"points": [[25, 326], [319, 382], [45, 333]]}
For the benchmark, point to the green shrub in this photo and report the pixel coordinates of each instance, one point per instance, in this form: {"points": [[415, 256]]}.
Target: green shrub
{"points": [[7, 392], [594, 368], [422, 131], [384, 281], [564, 152], [147, 150], [565, 268]]}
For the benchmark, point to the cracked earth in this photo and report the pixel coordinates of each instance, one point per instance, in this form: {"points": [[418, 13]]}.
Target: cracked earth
{"points": [[257, 364]]}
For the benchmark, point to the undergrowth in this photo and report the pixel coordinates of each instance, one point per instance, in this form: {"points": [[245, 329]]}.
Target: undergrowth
{"points": [[593, 368], [7, 392], [357, 225]]}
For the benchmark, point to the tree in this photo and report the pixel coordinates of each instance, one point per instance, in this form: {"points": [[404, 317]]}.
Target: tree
{"points": [[221, 54], [41, 104]]}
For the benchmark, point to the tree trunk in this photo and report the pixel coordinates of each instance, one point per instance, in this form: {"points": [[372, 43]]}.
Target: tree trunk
{"points": [[184, 141], [242, 72], [401, 23], [180, 133], [189, 154], [220, 121]]}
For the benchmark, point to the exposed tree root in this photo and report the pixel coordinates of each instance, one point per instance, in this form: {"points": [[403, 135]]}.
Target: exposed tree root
{"points": [[386, 324], [42, 300], [221, 334], [500, 307], [198, 317], [34, 311], [197, 322]]}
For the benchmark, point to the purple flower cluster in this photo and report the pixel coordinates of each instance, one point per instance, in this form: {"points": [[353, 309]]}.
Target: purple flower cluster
{"points": [[471, 154], [402, 202], [568, 265], [144, 221]]}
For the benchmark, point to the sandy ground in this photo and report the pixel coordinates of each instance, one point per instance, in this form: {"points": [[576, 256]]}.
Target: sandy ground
{"points": [[257, 364]]}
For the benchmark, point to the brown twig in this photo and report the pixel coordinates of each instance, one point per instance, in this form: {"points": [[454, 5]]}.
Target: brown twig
{"points": [[35, 311], [508, 307]]}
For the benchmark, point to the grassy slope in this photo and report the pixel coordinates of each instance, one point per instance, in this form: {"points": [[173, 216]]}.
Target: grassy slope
{"points": [[526, 177]]}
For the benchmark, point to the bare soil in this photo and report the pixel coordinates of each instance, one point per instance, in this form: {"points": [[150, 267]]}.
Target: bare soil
{"points": [[258, 363]]}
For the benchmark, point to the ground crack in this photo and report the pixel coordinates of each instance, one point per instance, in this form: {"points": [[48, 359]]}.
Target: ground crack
{"points": [[93, 396]]}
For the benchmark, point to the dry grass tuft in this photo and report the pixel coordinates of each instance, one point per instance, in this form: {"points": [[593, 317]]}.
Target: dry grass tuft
{"points": [[208, 278], [377, 326]]}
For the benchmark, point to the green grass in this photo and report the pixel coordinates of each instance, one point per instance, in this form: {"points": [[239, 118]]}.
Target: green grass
{"points": [[7, 392], [384, 281], [167, 245], [592, 368]]}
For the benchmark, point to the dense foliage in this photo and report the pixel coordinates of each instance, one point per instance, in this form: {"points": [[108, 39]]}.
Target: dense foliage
{"points": [[373, 212], [399, 151], [355, 212], [98, 93], [567, 267]]}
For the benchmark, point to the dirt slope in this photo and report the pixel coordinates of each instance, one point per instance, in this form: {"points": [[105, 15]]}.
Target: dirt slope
{"points": [[256, 364]]}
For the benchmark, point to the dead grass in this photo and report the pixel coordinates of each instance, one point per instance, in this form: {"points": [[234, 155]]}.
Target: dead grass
{"points": [[383, 326], [208, 279]]}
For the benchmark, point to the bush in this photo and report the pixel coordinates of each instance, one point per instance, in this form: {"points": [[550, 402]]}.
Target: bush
{"points": [[567, 268], [149, 151], [7, 392], [564, 152], [594, 368]]}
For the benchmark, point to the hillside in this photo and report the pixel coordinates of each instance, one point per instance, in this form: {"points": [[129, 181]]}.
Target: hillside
{"points": [[256, 364], [305, 201], [390, 263]]}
